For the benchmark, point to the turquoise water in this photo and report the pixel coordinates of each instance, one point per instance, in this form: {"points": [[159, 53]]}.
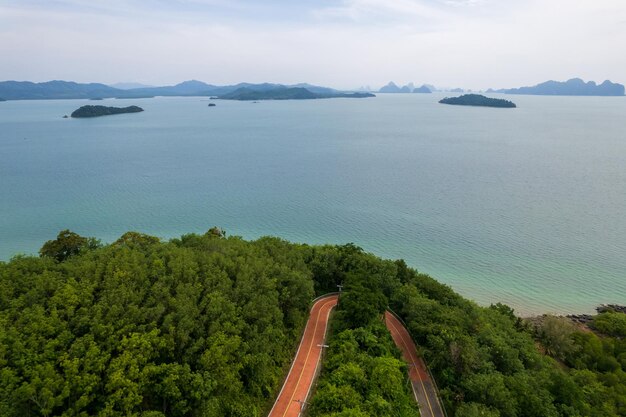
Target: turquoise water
{"points": [[524, 206]]}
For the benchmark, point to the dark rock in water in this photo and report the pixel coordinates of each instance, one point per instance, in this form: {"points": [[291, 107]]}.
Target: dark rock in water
{"points": [[212, 104], [580, 318], [478, 100], [611, 308], [66, 116], [96, 98], [96, 111]]}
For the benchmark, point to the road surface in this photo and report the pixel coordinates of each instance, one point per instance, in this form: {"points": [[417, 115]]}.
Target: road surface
{"points": [[304, 368], [423, 387]]}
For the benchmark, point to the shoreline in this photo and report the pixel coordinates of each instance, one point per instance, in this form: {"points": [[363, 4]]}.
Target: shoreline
{"points": [[583, 319], [581, 316]]}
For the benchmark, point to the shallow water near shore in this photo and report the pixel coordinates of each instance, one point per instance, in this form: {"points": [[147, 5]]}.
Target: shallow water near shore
{"points": [[524, 206]]}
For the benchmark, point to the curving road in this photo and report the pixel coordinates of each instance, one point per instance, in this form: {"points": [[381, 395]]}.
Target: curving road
{"points": [[423, 387], [303, 370]]}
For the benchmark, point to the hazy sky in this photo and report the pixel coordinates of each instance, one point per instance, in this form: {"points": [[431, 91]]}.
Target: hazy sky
{"points": [[339, 43]]}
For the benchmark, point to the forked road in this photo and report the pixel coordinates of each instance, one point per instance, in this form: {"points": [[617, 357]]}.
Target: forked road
{"points": [[303, 370], [423, 387]]}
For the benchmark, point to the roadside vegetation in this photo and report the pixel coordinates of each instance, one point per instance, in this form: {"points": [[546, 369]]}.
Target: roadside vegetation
{"points": [[206, 325], [363, 373]]}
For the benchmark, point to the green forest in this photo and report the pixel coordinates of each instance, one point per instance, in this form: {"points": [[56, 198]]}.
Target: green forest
{"points": [[206, 325], [363, 373]]}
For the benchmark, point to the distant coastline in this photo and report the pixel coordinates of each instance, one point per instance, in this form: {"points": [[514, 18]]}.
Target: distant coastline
{"points": [[58, 90], [573, 87]]}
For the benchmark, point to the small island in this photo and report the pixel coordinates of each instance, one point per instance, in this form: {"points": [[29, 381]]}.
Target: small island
{"points": [[478, 100], [96, 111], [212, 104]]}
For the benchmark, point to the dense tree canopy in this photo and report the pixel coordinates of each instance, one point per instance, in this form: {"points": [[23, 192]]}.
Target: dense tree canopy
{"points": [[205, 325], [201, 325], [487, 361]]}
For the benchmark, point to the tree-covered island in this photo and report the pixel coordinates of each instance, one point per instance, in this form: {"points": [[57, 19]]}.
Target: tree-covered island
{"points": [[287, 93], [96, 111], [478, 100]]}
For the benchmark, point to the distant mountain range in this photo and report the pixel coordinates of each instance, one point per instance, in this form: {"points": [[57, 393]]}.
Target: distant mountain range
{"points": [[409, 88], [573, 87], [24, 90]]}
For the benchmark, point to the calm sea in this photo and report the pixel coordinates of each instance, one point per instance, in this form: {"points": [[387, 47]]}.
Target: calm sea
{"points": [[525, 206]]}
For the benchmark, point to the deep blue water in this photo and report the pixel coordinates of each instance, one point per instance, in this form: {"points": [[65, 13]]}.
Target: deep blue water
{"points": [[524, 206]]}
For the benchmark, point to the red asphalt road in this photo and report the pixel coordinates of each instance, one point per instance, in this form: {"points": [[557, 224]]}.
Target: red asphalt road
{"points": [[304, 368], [423, 387]]}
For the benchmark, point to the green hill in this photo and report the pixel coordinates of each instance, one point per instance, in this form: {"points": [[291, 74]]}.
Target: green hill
{"points": [[245, 93], [205, 325], [286, 93]]}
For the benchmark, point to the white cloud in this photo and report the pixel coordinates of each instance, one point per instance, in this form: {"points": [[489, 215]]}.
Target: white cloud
{"points": [[468, 43]]}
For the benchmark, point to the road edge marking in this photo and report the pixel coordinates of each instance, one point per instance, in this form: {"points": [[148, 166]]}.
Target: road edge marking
{"points": [[319, 358], [432, 413]]}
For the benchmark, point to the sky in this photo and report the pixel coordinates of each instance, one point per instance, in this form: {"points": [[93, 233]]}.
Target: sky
{"points": [[346, 44]]}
